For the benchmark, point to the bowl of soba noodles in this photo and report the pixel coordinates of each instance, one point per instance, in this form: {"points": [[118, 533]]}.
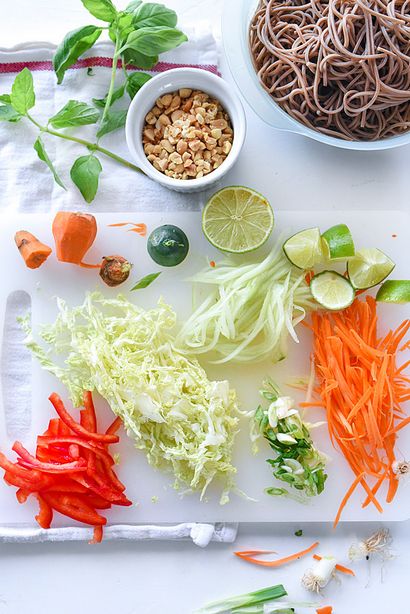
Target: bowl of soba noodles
{"points": [[337, 71]]}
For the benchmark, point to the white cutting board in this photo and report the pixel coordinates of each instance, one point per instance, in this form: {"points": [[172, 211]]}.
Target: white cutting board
{"points": [[254, 474]]}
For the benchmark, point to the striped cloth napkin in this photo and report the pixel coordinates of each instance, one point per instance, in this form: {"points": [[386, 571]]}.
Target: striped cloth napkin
{"points": [[27, 186]]}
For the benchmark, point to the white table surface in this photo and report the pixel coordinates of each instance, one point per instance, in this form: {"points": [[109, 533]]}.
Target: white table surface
{"points": [[175, 578]]}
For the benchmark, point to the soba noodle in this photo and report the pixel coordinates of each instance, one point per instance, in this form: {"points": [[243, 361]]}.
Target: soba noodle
{"points": [[341, 67]]}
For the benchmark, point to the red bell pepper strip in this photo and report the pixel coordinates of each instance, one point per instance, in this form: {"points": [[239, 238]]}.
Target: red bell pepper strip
{"points": [[114, 426], [26, 483], [45, 515], [102, 489], [67, 485], [89, 412], [22, 495], [74, 507], [97, 502], [97, 536], [89, 445], [75, 426], [31, 462]]}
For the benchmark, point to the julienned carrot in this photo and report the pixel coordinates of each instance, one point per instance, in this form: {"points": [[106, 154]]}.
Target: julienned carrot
{"points": [[362, 390], [247, 556], [140, 228], [341, 568], [327, 609], [33, 251]]}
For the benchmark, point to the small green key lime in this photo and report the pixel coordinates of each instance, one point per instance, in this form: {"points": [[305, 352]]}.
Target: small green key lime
{"points": [[368, 268], [338, 243], [237, 220], [332, 291], [394, 291], [304, 249]]}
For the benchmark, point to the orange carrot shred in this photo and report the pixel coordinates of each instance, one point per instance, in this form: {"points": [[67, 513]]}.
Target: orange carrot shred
{"points": [[139, 228], [362, 390], [327, 609], [278, 562], [341, 568]]}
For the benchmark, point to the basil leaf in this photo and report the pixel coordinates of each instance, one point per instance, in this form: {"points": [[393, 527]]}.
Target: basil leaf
{"points": [[5, 98], [113, 121], [101, 9], [135, 82], [140, 60], [121, 27], [75, 113], [75, 43], [150, 14], [22, 92], [157, 40], [130, 8], [85, 173], [9, 113], [146, 281], [116, 95], [42, 154]]}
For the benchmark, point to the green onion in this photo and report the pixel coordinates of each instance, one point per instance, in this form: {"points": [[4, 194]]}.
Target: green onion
{"points": [[250, 603]]}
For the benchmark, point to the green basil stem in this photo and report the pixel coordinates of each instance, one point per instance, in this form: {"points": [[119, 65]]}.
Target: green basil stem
{"points": [[88, 144], [113, 73]]}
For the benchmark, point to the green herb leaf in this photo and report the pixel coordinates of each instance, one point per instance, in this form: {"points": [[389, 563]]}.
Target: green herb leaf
{"points": [[130, 8], [85, 173], [146, 281], [116, 95], [150, 14], [299, 533], [6, 98], [140, 60], [90, 72], [113, 121], [9, 113], [75, 113], [75, 43], [121, 27], [157, 40], [42, 154], [22, 92], [135, 82], [101, 9]]}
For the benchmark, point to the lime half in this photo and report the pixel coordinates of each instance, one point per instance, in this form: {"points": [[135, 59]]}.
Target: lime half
{"points": [[332, 291], [304, 249], [338, 243], [394, 291], [237, 220], [368, 268]]}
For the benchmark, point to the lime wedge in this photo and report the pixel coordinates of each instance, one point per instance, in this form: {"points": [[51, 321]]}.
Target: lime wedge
{"points": [[332, 291], [237, 220], [338, 243], [394, 291], [368, 268], [304, 249]]}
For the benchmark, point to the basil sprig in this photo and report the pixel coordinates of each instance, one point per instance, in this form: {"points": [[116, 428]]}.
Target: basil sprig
{"points": [[140, 33]]}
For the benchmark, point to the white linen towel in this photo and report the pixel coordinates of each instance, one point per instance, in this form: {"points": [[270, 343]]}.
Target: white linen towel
{"points": [[27, 186]]}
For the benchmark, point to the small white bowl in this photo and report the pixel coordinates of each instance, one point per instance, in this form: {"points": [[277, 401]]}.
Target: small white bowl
{"points": [[171, 81]]}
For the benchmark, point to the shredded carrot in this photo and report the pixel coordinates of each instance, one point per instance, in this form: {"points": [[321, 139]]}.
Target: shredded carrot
{"points": [[212, 263], [309, 276], [327, 609], [247, 556], [362, 390], [140, 228], [341, 568]]}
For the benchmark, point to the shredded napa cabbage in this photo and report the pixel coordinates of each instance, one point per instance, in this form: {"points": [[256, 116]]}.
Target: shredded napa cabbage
{"points": [[249, 310], [181, 420]]}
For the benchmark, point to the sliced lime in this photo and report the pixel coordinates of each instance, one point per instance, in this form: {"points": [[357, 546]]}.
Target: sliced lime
{"points": [[338, 243], [304, 249], [237, 220], [368, 268], [394, 291], [332, 291]]}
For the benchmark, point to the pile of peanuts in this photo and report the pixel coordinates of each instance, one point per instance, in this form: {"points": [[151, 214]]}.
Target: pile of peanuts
{"points": [[187, 134]]}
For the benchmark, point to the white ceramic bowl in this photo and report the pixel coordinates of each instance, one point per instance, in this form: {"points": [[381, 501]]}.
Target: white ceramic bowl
{"points": [[236, 18], [170, 81]]}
